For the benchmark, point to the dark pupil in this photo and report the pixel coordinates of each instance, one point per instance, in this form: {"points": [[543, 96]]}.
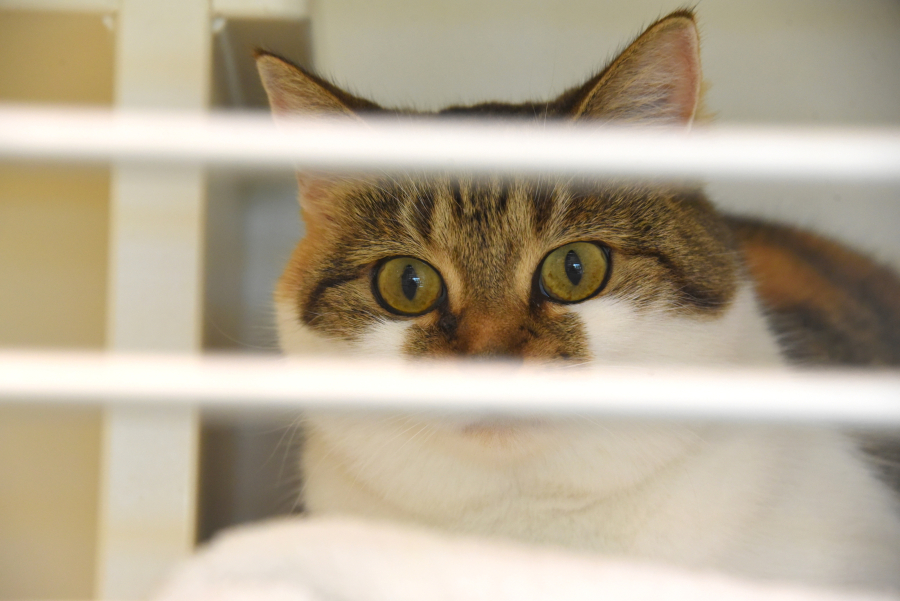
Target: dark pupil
{"points": [[410, 280], [574, 269]]}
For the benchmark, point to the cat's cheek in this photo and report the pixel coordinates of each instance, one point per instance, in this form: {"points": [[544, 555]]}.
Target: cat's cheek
{"points": [[384, 340], [296, 338], [620, 332]]}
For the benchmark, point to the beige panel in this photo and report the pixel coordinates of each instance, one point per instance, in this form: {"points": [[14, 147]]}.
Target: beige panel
{"points": [[53, 255], [53, 234], [55, 58], [53, 220], [48, 469]]}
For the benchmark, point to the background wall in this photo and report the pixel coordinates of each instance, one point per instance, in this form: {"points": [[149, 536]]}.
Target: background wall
{"points": [[53, 235], [808, 61]]}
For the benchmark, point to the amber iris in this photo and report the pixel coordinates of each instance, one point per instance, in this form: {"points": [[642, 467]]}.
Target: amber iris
{"points": [[408, 286], [574, 272]]}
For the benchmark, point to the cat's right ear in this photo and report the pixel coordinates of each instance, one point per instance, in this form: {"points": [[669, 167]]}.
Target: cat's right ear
{"points": [[294, 92], [654, 81]]}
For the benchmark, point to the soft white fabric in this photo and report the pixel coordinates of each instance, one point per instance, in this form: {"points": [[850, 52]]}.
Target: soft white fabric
{"points": [[350, 560]]}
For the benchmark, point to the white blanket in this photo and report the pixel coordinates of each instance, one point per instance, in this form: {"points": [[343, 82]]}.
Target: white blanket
{"points": [[350, 560]]}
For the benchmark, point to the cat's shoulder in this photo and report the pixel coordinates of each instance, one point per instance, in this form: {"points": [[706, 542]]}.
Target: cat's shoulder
{"points": [[828, 304]]}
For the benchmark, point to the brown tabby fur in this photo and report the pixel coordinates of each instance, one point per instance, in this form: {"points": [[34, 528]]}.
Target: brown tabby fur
{"points": [[829, 304], [666, 244], [669, 247], [486, 236]]}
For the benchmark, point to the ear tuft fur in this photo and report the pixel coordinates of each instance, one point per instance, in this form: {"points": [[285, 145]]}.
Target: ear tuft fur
{"points": [[655, 80], [293, 91]]}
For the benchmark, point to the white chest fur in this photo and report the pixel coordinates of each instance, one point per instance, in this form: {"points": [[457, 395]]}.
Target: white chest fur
{"points": [[765, 501]]}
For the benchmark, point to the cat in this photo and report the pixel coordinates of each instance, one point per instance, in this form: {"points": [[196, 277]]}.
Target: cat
{"points": [[545, 269]]}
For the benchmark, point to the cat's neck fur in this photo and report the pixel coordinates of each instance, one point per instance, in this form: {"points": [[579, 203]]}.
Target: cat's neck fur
{"points": [[733, 504]]}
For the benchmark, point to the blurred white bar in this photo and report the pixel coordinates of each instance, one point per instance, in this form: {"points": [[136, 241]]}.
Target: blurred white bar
{"points": [[861, 398], [253, 141], [242, 9], [80, 6], [261, 9], [148, 501], [148, 497]]}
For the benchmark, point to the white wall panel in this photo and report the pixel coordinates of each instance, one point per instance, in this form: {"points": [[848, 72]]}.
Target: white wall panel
{"points": [[148, 502]]}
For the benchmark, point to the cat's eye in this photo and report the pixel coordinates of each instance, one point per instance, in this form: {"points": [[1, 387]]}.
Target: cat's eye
{"points": [[574, 272], [407, 286]]}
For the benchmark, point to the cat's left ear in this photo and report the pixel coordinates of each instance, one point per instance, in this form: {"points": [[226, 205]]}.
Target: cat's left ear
{"points": [[655, 81]]}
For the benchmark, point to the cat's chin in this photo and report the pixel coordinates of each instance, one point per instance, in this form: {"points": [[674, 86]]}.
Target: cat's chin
{"points": [[499, 423], [499, 430]]}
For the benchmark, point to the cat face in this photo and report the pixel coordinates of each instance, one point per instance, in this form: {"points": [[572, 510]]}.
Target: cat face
{"points": [[534, 269], [503, 267], [522, 268]]}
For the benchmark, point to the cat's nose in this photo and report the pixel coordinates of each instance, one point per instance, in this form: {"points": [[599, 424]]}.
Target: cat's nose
{"points": [[490, 336]]}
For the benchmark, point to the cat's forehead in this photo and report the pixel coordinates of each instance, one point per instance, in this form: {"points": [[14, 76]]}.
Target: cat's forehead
{"points": [[468, 215], [467, 212], [452, 212], [487, 234]]}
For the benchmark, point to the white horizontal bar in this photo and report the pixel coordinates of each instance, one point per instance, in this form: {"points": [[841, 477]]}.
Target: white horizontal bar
{"points": [[850, 398], [261, 9], [78, 6], [240, 9], [253, 141]]}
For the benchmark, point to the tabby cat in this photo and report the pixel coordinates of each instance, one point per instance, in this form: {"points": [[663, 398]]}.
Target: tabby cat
{"points": [[608, 271]]}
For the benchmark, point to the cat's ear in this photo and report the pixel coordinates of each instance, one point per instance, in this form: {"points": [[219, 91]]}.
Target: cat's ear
{"points": [[655, 81], [293, 91]]}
